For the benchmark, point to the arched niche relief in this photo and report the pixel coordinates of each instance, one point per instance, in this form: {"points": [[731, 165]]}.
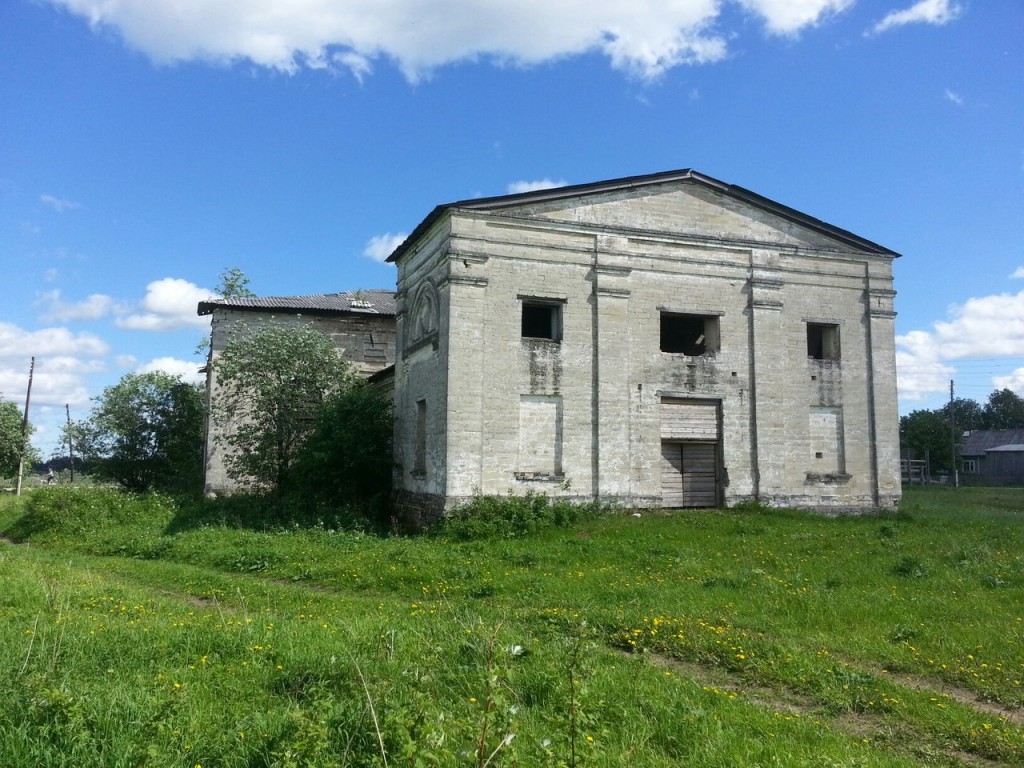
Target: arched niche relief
{"points": [[424, 318]]}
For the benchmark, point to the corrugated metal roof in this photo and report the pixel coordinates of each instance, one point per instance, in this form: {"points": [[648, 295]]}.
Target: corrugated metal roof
{"points": [[373, 301], [631, 182], [979, 441]]}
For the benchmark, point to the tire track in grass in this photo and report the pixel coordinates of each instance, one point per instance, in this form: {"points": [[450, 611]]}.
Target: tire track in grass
{"points": [[901, 737], [965, 696]]}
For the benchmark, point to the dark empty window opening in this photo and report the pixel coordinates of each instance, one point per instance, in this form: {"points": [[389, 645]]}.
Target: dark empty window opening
{"points": [[541, 321], [822, 341], [420, 465], [689, 334]]}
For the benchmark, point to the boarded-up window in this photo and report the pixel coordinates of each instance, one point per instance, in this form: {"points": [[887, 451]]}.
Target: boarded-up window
{"points": [[826, 433], [683, 419], [540, 434]]}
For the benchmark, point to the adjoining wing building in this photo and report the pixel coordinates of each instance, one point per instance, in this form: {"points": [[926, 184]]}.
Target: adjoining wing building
{"points": [[361, 323]]}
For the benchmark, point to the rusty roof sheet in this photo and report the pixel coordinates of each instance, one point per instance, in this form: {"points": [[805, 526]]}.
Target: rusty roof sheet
{"points": [[374, 301]]}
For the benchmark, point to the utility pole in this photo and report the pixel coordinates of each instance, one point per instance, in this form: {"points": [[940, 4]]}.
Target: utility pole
{"points": [[952, 436], [71, 453], [24, 425]]}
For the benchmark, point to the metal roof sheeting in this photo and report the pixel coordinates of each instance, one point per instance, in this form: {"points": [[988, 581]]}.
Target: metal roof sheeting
{"points": [[374, 301]]}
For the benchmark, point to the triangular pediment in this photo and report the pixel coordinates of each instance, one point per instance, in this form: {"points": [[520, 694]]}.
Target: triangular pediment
{"points": [[676, 203], [688, 206]]}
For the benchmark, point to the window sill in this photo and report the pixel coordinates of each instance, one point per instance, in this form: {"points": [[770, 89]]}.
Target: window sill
{"points": [[828, 478], [539, 477]]}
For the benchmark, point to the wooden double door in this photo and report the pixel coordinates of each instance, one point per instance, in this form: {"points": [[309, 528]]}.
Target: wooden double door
{"points": [[689, 474]]}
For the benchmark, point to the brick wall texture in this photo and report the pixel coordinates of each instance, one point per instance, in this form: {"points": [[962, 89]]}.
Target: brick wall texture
{"points": [[584, 414]]}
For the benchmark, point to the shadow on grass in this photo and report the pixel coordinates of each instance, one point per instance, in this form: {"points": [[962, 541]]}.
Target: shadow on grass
{"points": [[259, 512]]}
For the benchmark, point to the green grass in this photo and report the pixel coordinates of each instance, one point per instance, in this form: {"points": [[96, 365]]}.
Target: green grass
{"points": [[138, 632]]}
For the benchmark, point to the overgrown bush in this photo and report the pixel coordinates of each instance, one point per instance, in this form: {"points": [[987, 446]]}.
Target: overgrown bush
{"points": [[511, 516], [67, 511], [267, 512], [345, 465]]}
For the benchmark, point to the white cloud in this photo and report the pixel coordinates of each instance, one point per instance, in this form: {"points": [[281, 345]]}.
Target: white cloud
{"points": [[936, 12], [57, 310], [919, 367], [955, 97], [532, 186], [17, 343], [788, 17], [1014, 381], [380, 247], [63, 359], [170, 303], [986, 327], [644, 37], [58, 204], [1018, 274], [188, 370]]}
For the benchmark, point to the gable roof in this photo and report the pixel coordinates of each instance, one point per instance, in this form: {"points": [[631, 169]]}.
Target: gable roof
{"points": [[637, 182], [375, 301], [977, 442]]}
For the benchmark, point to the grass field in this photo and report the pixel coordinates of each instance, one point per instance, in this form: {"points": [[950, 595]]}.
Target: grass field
{"points": [[134, 632]]}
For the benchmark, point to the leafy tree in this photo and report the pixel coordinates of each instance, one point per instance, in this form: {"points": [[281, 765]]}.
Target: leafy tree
{"points": [[145, 433], [347, 460], [967, 414], [1004, 410], [11, 441], [270, 386], [926, 433], [233, 285]]}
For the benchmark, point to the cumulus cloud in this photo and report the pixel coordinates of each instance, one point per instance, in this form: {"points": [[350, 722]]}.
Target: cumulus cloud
{"points": [[56, 310], [788, 17], [935, 12], [16, 343], [1018, 274], [63, 359], [645, 37], [532, 186], [58, 204], [169, 304], [985, 327], [380, 247], [187, 370], [1013, 382], [920, 370]]}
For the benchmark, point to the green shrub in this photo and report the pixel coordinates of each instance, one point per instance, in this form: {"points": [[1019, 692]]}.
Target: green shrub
{"points": [[72, 511], [512, 516], [267, 512], [344, 467]]}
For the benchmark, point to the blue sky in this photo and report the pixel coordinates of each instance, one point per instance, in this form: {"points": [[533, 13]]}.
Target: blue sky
{"points": [[147, 145]]}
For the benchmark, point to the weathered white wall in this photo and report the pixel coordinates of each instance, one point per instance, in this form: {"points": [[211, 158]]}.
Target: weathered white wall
{"points": [[613, 263]]}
